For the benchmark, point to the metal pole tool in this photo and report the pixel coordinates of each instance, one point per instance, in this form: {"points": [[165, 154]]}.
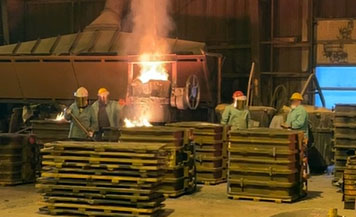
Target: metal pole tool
{"points": [[81, 126]]}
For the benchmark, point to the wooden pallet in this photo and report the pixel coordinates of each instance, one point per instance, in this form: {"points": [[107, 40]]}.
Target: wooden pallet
{"points": [[123, 172], [97, 183], [152, 203], [100, 160], [211, 182], [130, 200], [119, 150], [113, 179], [173, 194], [95, 153], [107, 166], [260, 199], [98, 210], [96, 189]]}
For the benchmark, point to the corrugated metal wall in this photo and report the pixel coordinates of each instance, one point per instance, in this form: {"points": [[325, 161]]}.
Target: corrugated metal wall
{"points": [[225, 25], [51, 18], [335, 8]]}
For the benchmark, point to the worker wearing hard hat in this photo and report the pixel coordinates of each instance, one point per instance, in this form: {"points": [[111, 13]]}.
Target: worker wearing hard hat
{"points": [[107, 112], [81, 116], [236, 114], [297, 118]]}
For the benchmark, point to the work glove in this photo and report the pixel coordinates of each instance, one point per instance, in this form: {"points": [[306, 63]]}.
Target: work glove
{"points": [[67, 111], [285, 126]]}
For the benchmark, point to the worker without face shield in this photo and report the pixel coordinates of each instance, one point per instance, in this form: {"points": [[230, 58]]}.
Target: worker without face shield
{"points": [[236, 115], [297, 119], [107, 112], [81, 116]]}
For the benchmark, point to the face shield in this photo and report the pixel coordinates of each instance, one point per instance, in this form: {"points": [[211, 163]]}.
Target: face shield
{"points": [[103, 98], [81, 102], [239, 104]]}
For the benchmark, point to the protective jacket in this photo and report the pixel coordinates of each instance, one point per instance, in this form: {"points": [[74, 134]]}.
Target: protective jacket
{"points": [[113, 111], [238, 119], [86, 117], [297, 119]]}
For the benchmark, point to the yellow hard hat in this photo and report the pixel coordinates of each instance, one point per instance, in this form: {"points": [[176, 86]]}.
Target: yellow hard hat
{"points": [[102, 91], [296, 96]]}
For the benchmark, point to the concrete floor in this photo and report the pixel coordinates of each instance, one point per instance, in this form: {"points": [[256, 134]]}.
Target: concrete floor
{"points": [[210, 201]]}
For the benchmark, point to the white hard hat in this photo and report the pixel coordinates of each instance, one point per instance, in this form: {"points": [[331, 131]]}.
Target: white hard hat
{"points": [[81, 92]]}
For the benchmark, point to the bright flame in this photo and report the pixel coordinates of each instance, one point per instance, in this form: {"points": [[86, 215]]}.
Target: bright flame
{"points": [[152, 70], [143, 122], [60, 116]]}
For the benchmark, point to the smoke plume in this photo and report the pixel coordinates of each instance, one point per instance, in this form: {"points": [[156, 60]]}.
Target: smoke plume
{"points": [[151, 22]]}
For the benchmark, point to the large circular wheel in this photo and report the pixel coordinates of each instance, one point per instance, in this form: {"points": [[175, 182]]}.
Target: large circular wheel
{"points": [[192, 92]]}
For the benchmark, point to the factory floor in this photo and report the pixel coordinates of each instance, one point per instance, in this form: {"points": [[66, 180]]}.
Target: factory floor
{"points": [[210, 201]]}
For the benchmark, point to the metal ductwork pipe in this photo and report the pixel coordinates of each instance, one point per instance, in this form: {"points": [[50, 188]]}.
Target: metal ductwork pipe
{"points": [[110, 17]]}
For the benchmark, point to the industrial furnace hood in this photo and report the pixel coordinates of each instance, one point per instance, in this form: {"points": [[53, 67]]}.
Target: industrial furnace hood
{"points": [[53, 68], [101, 37]]}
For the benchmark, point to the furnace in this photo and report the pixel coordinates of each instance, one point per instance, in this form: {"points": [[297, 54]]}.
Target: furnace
{"points": [[153, 91]]}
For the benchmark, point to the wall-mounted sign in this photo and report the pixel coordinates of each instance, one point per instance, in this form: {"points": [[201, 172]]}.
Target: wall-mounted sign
{"points": [[336, 42]]}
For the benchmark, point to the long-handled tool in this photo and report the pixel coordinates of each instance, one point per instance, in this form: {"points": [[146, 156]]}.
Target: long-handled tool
{"points": [[249, 87], [81, 126]]}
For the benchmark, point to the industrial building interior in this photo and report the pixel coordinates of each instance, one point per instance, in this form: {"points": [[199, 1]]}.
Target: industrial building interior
{"points": [[179, 108]]}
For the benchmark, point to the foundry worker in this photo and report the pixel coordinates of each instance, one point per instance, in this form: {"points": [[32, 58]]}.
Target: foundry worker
{"points": [[81, 115], [297, 118], [107, 112], [236, 115]]}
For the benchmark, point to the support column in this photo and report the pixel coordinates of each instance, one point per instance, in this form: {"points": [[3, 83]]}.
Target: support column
{"points": [[5, 22], [254, 11]]}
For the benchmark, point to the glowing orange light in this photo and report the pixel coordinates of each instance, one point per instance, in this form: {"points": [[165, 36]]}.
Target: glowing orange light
{"points": [[60, 117], [152, 70], [142, 122]]}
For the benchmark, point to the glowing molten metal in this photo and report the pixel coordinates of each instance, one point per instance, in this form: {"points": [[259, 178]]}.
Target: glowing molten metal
{"points": [[152, 70], [137, 123], [60, 117]]}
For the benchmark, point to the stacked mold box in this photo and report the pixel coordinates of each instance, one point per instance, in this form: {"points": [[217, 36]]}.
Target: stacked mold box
{"points": [[349, 196], [102, 179], [50, 130], [320, 154], [211, 150], [17, 161], [266, 164], [110, 134], [344, 136], [180, 177]]}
